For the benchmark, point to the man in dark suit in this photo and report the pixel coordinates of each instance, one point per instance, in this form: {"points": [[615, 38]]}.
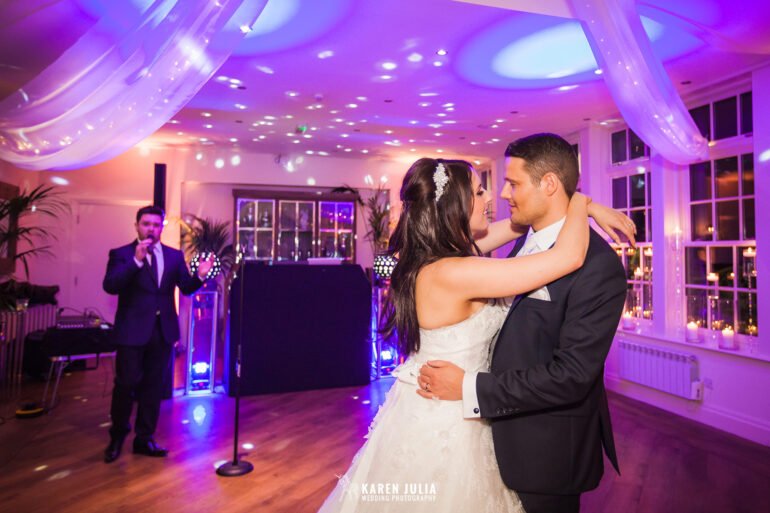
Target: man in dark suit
{"points": [[144, 275], [545, 391]]}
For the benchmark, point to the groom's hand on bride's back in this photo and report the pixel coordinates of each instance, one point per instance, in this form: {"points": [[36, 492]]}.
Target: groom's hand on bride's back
{"points": [[441, 380]]}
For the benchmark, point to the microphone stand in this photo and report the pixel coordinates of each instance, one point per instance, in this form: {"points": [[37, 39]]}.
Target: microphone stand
{"points": [[237, 467]]}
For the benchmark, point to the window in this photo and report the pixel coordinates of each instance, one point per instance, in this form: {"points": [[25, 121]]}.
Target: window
{"points": [[720, 277], [632, 195], [725, 118], [626, 145]]}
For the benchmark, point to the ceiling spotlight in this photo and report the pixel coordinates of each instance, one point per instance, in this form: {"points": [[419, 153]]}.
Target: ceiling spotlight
{"points": [[222, 78], [311, 181], [233, 139], [424, 104], [361, 98], [348, 150], [174, 121], [425, 95], [386, 77], [439, 151], [344, 136], [245, 29], [266, 70], [240, 106], [325, 54], [438, 64], [235, 81], [235, 160], [388, 132], [413, 121], [351, 106], [441, 114], [199, 156], [364, 151], [292, 94], [414, 57], [389, 66], [208, 126], [567, 87], [441, 52], [598, 71], [206, 114], [219, 163], [269, 117], [438, 134]]}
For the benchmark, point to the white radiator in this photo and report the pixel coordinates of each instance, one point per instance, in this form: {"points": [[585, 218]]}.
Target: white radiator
{"points": [[674, 372], [15, 327]]}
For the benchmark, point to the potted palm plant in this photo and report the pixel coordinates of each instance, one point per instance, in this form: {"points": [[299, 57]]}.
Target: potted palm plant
{"points": [[22, 237]]}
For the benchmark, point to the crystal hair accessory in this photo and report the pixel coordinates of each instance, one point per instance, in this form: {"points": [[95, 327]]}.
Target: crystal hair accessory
{"points": [[440, 178]]}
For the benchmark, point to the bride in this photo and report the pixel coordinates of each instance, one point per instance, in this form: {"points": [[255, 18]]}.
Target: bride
{"points": [[421, 454]]}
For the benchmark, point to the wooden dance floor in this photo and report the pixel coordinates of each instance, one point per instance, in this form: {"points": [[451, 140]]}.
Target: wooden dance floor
{"points": [[298, 442]]}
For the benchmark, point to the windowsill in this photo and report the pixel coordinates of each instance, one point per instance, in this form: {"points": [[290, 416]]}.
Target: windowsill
{"points": [[645, 330]]}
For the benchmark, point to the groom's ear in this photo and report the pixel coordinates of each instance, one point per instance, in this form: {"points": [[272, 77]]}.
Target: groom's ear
{"points": [[550, 184]]}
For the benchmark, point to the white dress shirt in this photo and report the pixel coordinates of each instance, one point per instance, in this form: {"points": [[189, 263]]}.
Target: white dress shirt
{"points": [[153, 251], [537, 242]]}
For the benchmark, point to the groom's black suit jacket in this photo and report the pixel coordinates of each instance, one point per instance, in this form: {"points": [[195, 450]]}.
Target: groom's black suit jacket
{"points": [[141, 302], [545, 393]]}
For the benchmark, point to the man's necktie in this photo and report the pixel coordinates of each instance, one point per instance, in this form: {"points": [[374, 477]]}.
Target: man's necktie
{"points": [[153, 261]]}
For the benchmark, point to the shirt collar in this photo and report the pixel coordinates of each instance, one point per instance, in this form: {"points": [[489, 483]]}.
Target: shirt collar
{"points": [[546, 237]]}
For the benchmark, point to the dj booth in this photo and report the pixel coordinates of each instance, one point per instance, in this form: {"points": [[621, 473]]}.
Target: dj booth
{"points": [[302, 327]]}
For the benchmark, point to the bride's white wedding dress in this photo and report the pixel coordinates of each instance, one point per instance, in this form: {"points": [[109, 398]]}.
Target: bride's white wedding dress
{"points": [[421, 454]]}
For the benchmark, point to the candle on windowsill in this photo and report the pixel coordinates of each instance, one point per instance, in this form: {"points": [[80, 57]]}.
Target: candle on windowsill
{"points": [[749, 252], [627, 322], [713, 277], [692, 332], [638, 273], [728, 339]]}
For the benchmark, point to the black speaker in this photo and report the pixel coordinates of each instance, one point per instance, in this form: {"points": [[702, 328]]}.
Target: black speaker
{"points": [[305, 327], [159, 190]]}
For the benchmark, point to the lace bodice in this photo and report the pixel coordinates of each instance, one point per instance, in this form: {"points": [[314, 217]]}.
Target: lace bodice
{"points": [[467, 343]]}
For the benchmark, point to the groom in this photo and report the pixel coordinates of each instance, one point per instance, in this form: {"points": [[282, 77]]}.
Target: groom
{"points": [[545, 392]]}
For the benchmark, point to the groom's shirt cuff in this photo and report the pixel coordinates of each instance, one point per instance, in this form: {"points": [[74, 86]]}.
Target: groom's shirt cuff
{"points": [[470, 399]]}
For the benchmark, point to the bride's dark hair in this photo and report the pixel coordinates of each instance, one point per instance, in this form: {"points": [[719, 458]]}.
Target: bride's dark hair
{"points": [[426, 232]]}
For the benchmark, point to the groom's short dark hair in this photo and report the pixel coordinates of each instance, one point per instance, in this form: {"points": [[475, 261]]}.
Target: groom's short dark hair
{"points": [[547, 153]]}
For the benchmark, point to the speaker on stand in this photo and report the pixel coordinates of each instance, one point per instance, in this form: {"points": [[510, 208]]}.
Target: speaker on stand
{"points": [[237, 467]]}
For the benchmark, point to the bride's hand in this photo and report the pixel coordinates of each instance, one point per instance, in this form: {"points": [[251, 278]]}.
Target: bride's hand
{"points": [[611, 222]]}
